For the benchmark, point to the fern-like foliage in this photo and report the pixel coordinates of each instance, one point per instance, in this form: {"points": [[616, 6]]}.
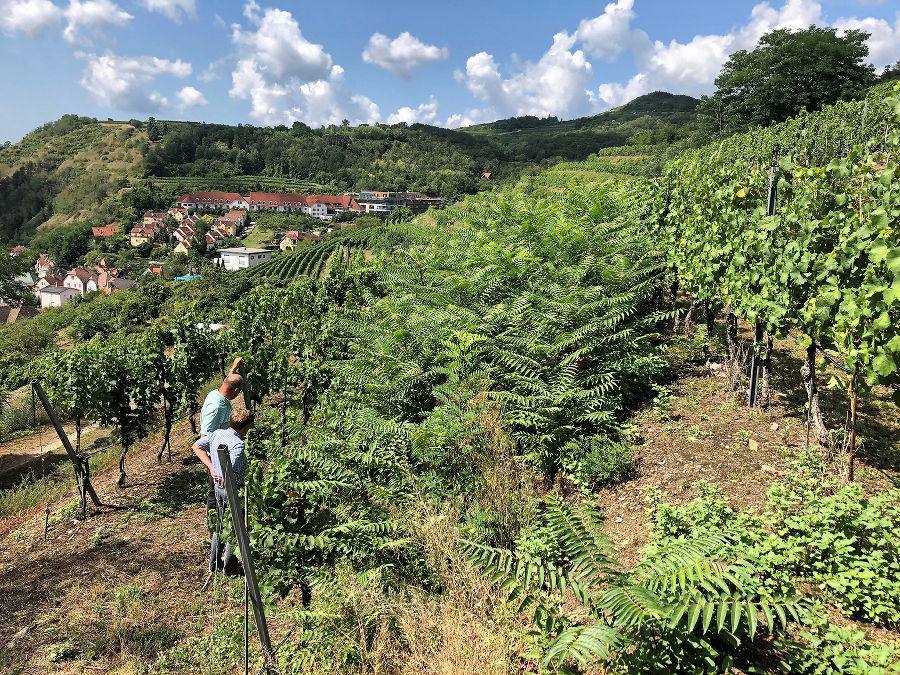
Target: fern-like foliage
{"points": [[683, 592]]}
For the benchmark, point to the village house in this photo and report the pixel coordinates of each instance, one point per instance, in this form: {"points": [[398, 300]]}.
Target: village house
{"points": [[145, 232], [18, 250], [177, 214], [43, 265], [47, 281], [82, 280], [119, 285], [105, 231], [319, 206], [292, 238], [332, 205], [151, 217], [233, 259], [183, 247], [57, 296]]}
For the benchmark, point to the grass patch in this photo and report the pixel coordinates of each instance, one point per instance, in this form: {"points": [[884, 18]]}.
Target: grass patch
{"points": [[34, 490]]}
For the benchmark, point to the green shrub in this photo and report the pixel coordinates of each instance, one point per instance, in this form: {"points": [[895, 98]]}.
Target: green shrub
{"points": [[844, 544], [599, 460]]}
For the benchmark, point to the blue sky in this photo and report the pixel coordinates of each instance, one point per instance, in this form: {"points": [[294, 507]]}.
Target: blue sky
{"points": [[450, 63]]}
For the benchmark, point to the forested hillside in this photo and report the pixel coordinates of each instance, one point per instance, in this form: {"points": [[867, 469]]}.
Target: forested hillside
{"points": [[105, 172], [651, 119]]}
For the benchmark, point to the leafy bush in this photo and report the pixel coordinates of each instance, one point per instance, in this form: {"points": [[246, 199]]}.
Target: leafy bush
{"points": [[597, 460]]}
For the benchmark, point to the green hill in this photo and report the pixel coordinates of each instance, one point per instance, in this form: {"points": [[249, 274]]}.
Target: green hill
{"points": [[79, 168], [650, 119]]}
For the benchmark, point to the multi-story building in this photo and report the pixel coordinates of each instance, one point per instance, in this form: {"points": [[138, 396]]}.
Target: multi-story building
{"points": [[57, 296], [81, 280], [213, 200]]}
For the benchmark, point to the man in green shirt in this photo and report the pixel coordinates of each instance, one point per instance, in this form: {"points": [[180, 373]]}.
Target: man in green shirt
{"points": [[216, 409], [216, 414]]}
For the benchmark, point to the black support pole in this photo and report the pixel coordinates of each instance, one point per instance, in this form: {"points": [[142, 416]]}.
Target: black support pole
{"points": [[81, 474], [243, 540]]}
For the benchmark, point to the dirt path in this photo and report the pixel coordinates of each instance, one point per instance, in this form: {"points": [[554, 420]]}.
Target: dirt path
{"points": [[27, 450]]}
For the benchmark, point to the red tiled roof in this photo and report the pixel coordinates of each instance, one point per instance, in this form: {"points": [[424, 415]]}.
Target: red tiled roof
{"points": [[82, 274], [106, 231], [273, 199], [44, 262], [211, 198]]}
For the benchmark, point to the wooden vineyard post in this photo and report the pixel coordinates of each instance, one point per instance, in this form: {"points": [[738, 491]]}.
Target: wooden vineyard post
{"points": [[243, 540], [82, 472], [757, 363], [852, 451]]}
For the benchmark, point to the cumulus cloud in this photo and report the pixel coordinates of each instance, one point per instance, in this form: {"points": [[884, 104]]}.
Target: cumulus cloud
{"points": [[884, 43], [424, 113], [469, 117], [89, 16], [287, 78], [172, 8], [554, 85], [82, 18], [400, 55], [606, 36], [188, 97], [691, 67], [121, 81], [28, 16]]}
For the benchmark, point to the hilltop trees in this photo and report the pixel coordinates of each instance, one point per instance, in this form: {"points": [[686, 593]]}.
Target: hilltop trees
{"points": [[786, 73]]}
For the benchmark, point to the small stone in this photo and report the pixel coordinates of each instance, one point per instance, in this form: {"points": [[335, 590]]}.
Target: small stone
{"points": [[769, 469], [618, 520], [753, 445], [773, 426]]}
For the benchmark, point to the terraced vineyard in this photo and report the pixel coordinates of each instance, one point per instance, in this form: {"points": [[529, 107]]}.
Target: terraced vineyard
{"points": [[242, 184], [310, 262]]}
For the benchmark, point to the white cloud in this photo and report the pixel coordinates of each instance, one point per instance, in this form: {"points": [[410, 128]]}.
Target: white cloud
{"points": [[469, 117], [884, 43], [89, 16], [400, 55], [608, 35], [172, 8], [188, 97], [28, 16], [424, 113], [691, 67], [120, 81], [279, 49], [211, 72], [556, 85], [287, 78]]}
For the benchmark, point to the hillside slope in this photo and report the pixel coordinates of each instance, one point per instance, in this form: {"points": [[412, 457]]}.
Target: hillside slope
{"points": [[658, 117], [81, 168]]}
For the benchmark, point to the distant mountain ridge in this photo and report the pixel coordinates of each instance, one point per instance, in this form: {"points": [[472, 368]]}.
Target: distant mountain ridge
{"points": [[657, 117]]}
